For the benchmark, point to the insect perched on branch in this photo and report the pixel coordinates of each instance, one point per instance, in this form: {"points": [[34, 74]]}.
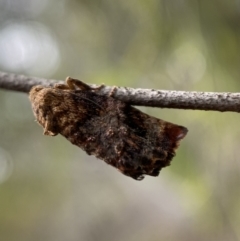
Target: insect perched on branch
{"points": [[135, 143]]}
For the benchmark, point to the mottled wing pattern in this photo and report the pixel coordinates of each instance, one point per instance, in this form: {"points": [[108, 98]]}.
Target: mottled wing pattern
{"points": [[149, 144], [135, 143]]}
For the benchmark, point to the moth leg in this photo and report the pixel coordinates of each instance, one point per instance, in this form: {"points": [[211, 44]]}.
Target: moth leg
{"points": [[47, 128], [73, 83], [112, 91], [47, 132], [97, 87], [61, 86]]}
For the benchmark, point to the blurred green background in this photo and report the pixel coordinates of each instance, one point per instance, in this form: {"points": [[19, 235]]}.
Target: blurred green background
{"points": [[51, 190]]}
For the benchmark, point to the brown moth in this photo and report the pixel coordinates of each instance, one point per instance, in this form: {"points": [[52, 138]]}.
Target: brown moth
{"points": [[135, 143]]}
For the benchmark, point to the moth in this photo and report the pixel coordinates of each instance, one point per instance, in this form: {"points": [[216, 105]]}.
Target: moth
{"points": [[126, 138]]}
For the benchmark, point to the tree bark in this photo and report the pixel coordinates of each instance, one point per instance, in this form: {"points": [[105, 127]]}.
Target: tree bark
{"points": [[216, 101]]}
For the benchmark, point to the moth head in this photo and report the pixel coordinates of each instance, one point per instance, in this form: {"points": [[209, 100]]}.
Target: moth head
{"points": [[40, 95], [43, 100]]}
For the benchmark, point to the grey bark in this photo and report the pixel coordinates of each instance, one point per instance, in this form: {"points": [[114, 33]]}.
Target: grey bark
{"points": [[216, 101]]}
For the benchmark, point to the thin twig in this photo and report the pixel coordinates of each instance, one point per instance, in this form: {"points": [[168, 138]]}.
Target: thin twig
{"points": [[217, 101]]}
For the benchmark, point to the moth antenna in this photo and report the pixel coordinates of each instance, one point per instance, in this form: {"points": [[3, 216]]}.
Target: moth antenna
{"points": [[91, 101]]}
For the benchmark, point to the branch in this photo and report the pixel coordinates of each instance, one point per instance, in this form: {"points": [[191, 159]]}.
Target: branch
{"points": [[217, 101]]}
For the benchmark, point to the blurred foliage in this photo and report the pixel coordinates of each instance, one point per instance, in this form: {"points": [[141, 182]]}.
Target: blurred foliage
{"points": [[51, 190]]}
